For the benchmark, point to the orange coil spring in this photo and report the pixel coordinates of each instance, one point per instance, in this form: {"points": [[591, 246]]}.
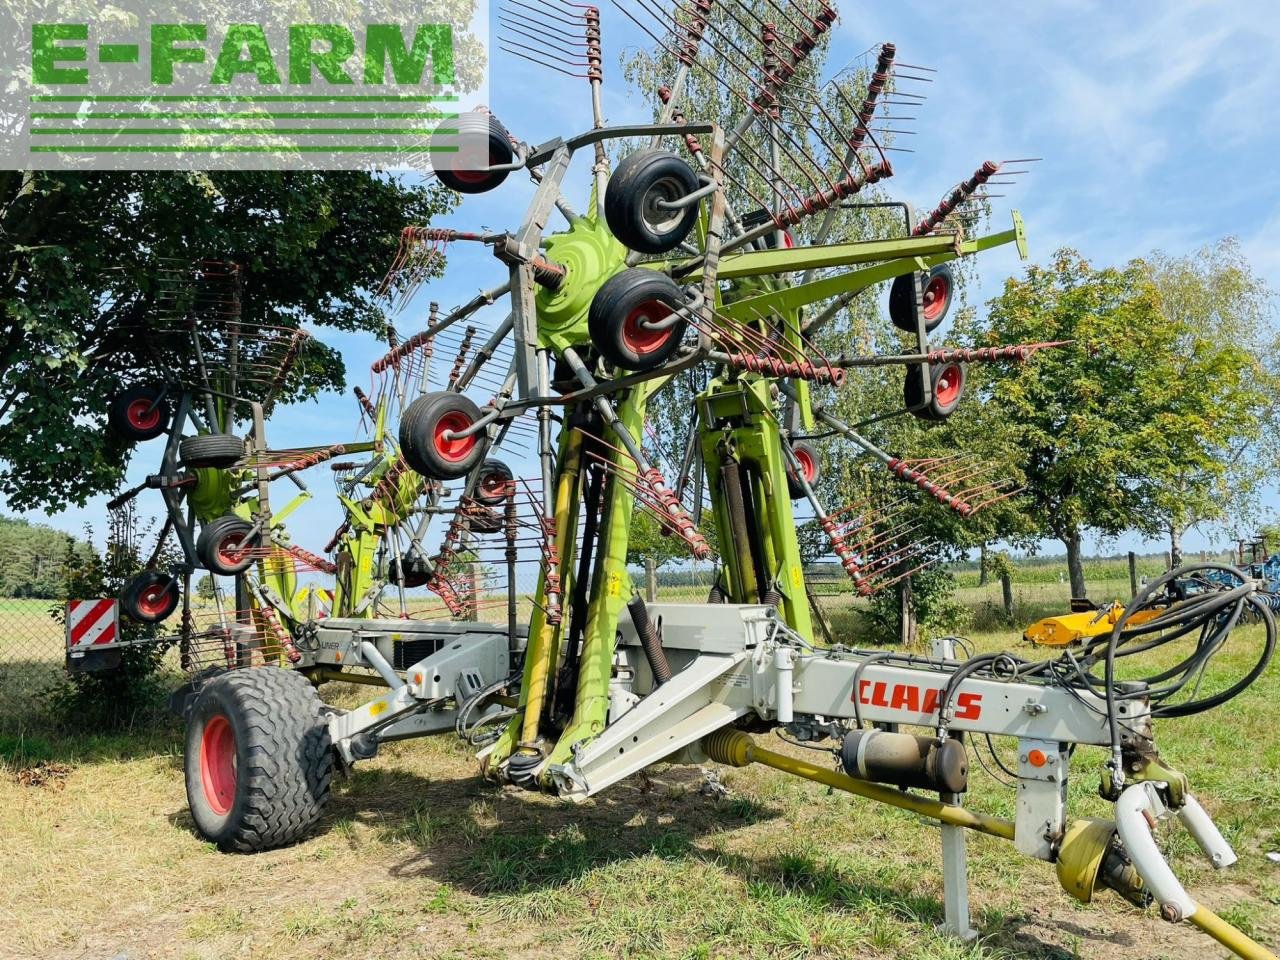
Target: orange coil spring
{"points": [[904, 472], [675, 511], [847, 559], [795, 370]]}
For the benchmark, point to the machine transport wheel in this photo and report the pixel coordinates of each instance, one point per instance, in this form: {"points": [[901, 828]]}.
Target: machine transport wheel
{"points": [[258, 759], [217, 450], [939, 288], [224, 546], [476, 131], [495, 483], [641, 182], [807, 457], [150, 597], [948, 389], [427, 440], [141, 412], [622, 313]]}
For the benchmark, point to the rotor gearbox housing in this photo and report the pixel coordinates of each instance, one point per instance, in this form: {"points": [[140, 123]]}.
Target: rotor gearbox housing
{"points": [[590, 255]]}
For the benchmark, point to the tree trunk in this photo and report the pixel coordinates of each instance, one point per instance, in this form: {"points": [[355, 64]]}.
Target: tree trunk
{"points": [[1006, 591], [982, 565], [651, 579], [1175, 546], [1075, 564], [910, 629], [1133, 574]]}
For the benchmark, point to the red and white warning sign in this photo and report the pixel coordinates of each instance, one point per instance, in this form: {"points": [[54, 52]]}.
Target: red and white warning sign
{"points": [[92, 623]]}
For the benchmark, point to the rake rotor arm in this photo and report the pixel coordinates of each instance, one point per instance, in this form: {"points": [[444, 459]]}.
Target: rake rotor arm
{"points": [[900, 256]]}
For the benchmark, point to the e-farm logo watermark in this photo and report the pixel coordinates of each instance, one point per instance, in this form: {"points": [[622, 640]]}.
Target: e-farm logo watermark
{"points": [[158, 86]]}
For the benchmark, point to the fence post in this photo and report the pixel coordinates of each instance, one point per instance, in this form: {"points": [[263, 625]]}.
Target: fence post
{"points": [[1133, 574], [473, 591], [910, 629], [1006, 593], [650, 580]]}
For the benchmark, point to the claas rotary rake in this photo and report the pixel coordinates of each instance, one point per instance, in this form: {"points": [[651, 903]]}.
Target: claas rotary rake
{"points": [[709, 258]]}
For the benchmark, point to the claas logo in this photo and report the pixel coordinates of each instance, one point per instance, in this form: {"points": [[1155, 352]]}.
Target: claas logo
{"points": [[913, 699]]}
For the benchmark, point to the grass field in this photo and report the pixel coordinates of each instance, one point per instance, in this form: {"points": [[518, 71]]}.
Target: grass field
{"points": [[419, 857]]}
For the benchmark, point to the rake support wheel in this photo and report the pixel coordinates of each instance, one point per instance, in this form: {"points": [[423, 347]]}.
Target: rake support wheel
{"points": [[494, 484], [480, 133], [643, 181], [258, 759], [216, 450], [948, 389], [631, 321], [939, 291], [428, 440], [141, 412], [224, 546], [150, 597], [807, 456]]}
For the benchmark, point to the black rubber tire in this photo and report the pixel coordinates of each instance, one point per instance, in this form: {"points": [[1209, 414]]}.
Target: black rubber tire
{"points": [[482, 127], [641, 179], [217, 450], [283, 762], [495, 483], [616, 313], [939, 293], [425, 450], [948, 390], [717, 595], [415, 572], [213, 543], [807, 454], [139, 413], [150, 597]]}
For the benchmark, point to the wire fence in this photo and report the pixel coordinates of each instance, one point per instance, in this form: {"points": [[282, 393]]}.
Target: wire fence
{"points": [[33, 632]]}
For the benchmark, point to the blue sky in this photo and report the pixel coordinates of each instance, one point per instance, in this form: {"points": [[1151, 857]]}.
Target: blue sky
{"points": [[1155, 122]]}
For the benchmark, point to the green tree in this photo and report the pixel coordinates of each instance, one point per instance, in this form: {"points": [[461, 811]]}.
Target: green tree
{"points": [[205, 587], [1138, 405], [1221, 406], [33, 559], [83, 256]]}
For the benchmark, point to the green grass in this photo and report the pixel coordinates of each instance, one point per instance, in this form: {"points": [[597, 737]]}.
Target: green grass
{"points": [[418, 857]]}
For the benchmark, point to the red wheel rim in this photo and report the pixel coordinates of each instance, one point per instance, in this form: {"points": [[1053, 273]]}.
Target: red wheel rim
{"points": [[936, 296], [453, 449], [143, 414], [807, 467], [153, 601], [640, 339], [476, 176], [218, 764], [494, 485], [231, 549], [946, 390]]}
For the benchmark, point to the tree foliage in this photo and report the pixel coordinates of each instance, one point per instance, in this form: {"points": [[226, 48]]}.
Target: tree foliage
{"points": [[33, 559], [84, 256], [1129, 423], [1223, 401]]}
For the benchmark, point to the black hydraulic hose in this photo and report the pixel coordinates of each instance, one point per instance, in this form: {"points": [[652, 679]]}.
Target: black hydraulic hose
{"points": [[1214, 605], [567, 681], [752, 513]]}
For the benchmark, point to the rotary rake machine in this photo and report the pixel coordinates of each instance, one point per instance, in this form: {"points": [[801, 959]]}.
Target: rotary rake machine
{"points": [[709, 255], [215, 482]]}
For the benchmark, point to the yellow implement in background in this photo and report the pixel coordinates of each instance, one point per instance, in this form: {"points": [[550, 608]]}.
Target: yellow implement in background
{"points": [[1072, 628]]}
